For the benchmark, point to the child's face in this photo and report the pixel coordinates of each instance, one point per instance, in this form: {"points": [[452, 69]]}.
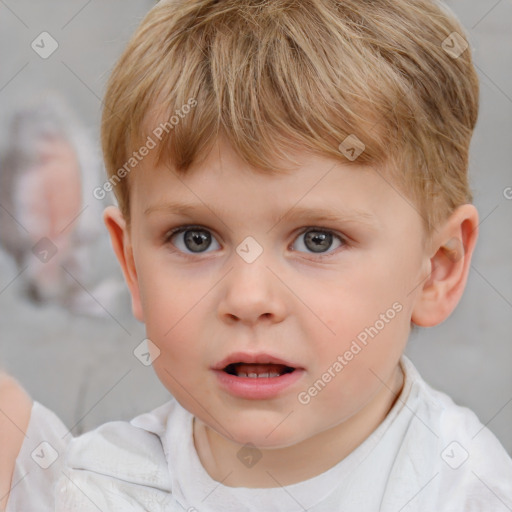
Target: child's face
{"points": [[202, 297]]}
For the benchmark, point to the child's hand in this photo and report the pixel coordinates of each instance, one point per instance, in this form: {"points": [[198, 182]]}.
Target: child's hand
{"points": [[15, 408]]}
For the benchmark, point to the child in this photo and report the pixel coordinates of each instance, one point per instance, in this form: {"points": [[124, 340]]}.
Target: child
{"points": [[263, 130], [15, 406]]}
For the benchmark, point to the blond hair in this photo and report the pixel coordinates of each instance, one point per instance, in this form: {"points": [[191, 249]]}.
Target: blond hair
{"points": [[305, 74]]}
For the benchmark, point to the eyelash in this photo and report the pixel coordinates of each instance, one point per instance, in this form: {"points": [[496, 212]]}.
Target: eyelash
{"points": [[180, 229]]}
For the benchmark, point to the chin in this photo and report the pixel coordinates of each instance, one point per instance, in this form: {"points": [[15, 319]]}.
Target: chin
{"points": [[262, 437]]}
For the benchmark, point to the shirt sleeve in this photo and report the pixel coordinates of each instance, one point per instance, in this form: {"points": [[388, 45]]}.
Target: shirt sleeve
{"points": [[39, 462]]}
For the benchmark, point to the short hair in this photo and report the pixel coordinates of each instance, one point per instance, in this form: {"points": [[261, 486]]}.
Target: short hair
{"points": [[396, 75]]}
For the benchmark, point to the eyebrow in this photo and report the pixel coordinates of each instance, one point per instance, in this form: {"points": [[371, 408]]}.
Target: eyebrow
{"points": [[299, 212]]}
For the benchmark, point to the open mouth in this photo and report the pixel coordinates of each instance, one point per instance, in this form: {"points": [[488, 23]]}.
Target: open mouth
{"points": [[257, 371], [259, 376]]}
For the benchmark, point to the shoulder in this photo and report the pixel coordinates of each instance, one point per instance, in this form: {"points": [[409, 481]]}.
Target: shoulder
{"points": [[118, 466], [15, 409], [448, 447], [457, 424], [129, 451], [39, 461], [470, 458]]}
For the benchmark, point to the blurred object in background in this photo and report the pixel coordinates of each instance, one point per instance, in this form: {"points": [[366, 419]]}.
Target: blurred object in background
{"points": [[48, 218]]}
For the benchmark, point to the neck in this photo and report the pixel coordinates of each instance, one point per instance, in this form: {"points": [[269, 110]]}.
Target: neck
{"points": [[285, 466]]}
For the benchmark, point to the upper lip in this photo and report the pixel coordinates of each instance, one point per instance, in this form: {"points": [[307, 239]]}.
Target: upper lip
{"points": [[255, 358]]}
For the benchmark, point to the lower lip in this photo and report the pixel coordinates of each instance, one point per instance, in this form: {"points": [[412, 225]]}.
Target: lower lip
{"points": [[257, 388]]}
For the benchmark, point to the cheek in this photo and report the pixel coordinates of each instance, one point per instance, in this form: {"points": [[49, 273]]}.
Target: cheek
{"points": [[166, 296], [175, 310], [370, 317], [356, 301], [364, 368], [181, 354]]}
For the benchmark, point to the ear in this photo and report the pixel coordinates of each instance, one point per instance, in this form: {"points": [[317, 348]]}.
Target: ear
{"points": [[452, 248], [120, 238]]}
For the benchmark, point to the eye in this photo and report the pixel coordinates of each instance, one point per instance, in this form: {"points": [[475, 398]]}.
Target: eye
{"points": [[196, 239], [318, 240]]}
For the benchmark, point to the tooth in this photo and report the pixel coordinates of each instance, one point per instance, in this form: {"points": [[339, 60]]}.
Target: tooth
{"points": [[253, 375]]}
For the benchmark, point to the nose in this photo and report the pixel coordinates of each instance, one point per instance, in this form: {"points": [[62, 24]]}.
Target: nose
{"points": [[252, 293]]}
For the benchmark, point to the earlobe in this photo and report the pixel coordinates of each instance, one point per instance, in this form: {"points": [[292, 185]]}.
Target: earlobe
{"points": [[120, 238], [452, 249]]}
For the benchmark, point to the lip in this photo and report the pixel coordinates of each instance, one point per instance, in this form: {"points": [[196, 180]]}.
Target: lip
{"points": [[259, 358], [260, 388]]}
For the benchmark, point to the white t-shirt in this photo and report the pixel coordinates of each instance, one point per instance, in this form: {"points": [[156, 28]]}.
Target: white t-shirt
{"points": [[427, 455], [39, 462]]}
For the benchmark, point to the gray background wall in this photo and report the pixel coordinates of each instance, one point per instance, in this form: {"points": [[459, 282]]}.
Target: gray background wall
{"points": [[84, 369]]}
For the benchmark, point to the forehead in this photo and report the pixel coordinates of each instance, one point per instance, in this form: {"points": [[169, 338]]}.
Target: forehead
{"points": [[221, 165], [223, 185]]}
